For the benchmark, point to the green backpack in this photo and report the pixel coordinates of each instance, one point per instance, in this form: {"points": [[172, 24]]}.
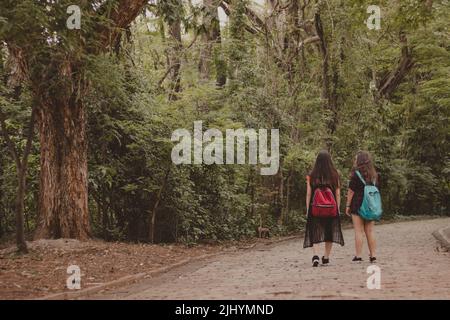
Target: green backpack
{"points": [[371, 206]]}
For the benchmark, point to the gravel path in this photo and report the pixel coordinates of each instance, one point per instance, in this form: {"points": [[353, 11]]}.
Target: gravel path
{"points": [[412, 266]]}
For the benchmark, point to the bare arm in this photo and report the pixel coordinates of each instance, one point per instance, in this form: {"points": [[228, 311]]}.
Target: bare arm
{"points": [[350, 194], [308, 195], [338, 198]]}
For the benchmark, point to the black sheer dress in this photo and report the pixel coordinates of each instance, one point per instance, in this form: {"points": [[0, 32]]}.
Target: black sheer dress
{"points": [[320, 229]]}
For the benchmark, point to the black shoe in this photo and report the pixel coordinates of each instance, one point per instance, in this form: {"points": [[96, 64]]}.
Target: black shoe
{"points": [[372, 259], [315, 261], [325, 261], [355, 258]]}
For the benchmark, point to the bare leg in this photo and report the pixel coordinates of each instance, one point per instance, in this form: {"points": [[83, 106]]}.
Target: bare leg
{"points": [[368, 229], [358, 225], [316, 249], [328, 246]]}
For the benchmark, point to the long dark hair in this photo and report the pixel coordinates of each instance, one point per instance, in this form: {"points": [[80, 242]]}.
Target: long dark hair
{"points": [[324, 171], [364, 164]]}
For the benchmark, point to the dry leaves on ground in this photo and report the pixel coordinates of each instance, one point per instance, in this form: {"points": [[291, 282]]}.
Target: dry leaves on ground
{"points": [[44, 270]]}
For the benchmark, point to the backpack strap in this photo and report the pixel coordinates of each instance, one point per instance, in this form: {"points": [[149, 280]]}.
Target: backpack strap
{"points": [[360, 177]]}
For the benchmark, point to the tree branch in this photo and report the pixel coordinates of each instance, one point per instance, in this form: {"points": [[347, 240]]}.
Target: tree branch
{"points": [[169, 69], [392, 80], [309, 40], [253, 17], [121, 16]]}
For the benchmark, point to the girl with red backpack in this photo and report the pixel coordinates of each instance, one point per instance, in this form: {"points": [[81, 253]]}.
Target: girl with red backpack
{"points": [[322, 203]]}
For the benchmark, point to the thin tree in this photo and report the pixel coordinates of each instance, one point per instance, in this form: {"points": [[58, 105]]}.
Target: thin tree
{"points": [[21, 162]]}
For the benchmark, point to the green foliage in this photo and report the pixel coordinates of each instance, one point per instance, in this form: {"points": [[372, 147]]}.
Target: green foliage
{"points": [[130, 118]]}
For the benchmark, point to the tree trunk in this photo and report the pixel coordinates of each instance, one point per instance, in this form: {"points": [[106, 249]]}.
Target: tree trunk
{"points": [[288, 194], [211, 44], [324, 52], [20, 235], [329, 95], [21, 168], [63, 198], [204, 65], [333, 101], [1, 223], [292, 37], [152, 224], [175, 58], [280, 196], [105, 218]]}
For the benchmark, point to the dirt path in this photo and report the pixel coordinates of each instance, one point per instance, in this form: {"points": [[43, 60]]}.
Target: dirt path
{"points": [[411, 267]]}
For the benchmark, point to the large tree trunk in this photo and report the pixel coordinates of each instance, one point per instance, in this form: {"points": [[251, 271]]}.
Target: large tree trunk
{"points": [[63, 194], [63, 198]]}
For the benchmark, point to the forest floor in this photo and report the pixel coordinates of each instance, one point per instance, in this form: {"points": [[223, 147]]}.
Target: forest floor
{"points": [[44, 270]]}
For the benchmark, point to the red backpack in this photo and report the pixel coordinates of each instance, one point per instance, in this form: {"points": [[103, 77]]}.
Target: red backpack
{"points": [[324, 204]]}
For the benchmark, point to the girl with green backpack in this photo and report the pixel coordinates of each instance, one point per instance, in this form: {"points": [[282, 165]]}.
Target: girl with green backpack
{"points": [[364, 203]]}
